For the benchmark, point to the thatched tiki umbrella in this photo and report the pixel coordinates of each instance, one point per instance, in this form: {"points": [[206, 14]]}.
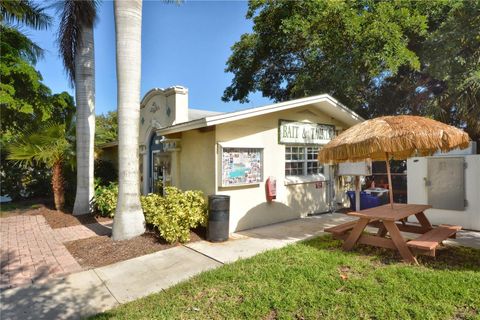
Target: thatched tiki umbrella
{"points": [[393, 137]]}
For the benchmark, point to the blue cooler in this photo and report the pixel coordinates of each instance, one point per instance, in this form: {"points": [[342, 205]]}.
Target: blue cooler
{"points": [[366, 200]]}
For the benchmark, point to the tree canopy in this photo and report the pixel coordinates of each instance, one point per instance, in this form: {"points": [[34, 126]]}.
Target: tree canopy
{"points": [[376, 57], [24, 12], [24, 99], [106, 128], [73, 15], [27, 104]]}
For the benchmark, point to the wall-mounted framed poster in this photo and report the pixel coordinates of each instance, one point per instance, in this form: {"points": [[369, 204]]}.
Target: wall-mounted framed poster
{"points": [[241, 166]]}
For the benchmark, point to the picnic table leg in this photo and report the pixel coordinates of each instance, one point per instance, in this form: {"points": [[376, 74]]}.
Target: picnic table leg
{"points": [[423, 221], [399, 242], [382, 231], [355, 234]]}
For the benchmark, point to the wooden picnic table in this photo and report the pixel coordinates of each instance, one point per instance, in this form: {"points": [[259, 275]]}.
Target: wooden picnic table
{"points": [[392, 221]]}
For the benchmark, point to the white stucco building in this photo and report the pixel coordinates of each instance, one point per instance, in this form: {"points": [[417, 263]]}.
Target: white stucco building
{"points": [[235, 153]]}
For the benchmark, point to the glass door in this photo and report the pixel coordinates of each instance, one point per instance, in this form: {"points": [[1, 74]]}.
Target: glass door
{"points": [[157, 173], [160, 171]]}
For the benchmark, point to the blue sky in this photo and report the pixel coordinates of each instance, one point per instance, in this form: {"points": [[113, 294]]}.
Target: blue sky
{"points": [[186, 44]]}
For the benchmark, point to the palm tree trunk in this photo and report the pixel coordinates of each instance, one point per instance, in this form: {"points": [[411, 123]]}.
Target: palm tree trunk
{"points": [[57, 186], [129, 220], [85, 125]]}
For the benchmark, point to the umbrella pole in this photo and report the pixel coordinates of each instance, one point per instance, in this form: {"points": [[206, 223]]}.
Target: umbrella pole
{"points": [[357, 193], [389, 175]]}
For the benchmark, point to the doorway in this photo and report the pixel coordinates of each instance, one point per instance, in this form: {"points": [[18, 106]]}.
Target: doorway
{"points": [[159, 165], [160, 171]]}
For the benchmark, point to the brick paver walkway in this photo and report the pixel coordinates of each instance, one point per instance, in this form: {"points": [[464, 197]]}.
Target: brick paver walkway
{"points": [[31, 251], [82, 231]]}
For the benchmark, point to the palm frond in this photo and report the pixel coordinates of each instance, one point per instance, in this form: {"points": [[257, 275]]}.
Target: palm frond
{"points": [[13, 41], [73, 16], [24, 12], [47, 145]]}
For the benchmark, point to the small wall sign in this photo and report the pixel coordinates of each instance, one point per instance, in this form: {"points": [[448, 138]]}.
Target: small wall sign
{"points": [[171, 145], [294, 132]]}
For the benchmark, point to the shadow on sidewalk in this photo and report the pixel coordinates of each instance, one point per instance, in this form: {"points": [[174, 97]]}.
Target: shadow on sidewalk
{"points": [[15, 272], [57, 299]]}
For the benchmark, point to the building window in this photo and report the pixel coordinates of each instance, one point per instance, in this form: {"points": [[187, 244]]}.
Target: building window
{"points": [[302, 161]]}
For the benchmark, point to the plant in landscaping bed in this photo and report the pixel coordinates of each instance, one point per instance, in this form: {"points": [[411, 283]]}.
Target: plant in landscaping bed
{"points": [[175, 213], [105, 201], [50, 146]]}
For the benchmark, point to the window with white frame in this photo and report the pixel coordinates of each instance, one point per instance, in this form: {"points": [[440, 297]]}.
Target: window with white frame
{"points": [[302, 161]]}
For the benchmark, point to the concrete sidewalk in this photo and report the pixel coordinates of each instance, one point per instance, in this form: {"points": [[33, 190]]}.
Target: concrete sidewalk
{"points": [[93, 291], [89, 292], [245, 244]]}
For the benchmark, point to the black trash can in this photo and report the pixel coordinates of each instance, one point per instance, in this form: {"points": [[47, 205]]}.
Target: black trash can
{"points": [[218, 218]]}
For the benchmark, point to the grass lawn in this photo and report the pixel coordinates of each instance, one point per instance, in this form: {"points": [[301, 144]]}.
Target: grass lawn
{"points": [[316, 280]]}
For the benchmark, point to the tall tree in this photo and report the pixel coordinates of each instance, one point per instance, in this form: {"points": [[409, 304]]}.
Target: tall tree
{"points": [[452, 57], [377, 57], [75, 38], [26, 103], [300, 48], [22, 95], [129, 220]]}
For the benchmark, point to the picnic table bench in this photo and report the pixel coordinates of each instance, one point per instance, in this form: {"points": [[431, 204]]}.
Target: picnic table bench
{"points": [[391, 221]]}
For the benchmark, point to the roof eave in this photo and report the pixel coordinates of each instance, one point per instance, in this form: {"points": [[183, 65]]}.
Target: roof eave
{"points": [[247, 113], [184, 126]]}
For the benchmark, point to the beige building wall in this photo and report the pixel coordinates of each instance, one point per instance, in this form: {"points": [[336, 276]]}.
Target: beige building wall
{"points": [[160, 108], [196, 165], [200, 169], [196, 161]]}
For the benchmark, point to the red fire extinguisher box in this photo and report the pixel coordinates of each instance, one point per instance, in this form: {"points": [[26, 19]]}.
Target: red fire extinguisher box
{"points": [[271, 189]]}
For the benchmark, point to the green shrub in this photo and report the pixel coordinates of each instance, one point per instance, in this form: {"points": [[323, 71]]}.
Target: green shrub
{"points": [[105, 201], [175, 213]]}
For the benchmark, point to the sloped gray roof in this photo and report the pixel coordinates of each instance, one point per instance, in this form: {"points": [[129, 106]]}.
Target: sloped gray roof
{"points": [[194, 114]]}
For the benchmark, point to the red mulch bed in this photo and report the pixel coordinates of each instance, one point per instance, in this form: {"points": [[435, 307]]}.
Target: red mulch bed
{"points": [[59, 219], [56, 219], [100, 251]]}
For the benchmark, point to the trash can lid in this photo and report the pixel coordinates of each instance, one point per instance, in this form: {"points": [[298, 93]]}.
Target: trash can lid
{"points": [[218, 196]]}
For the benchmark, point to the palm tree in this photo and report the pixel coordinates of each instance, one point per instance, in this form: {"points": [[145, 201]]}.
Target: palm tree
{"points": [[129, 220], [26, 13], [75, 38], [48, 146]]}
